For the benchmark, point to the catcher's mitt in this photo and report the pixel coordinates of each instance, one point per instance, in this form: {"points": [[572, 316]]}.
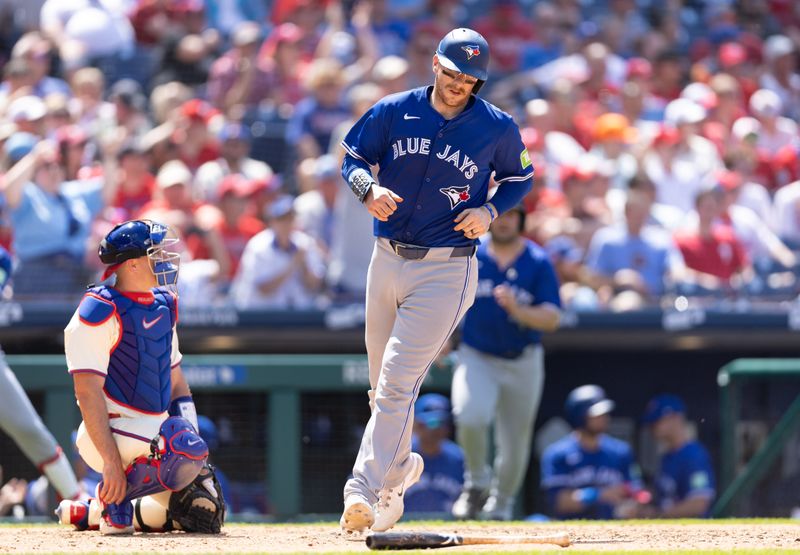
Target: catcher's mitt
{"points": [[199, 507]]}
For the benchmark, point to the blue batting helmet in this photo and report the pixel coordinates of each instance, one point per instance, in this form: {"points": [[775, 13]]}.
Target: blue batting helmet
{"points": [[584, 401], [137, 238], [465, 51]]}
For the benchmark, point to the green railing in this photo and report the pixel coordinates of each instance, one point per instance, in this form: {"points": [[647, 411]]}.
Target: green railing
{"points": [[731, 377], [281, 378]]}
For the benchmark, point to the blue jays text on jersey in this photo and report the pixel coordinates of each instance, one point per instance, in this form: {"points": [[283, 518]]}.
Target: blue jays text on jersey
{"points": [[436, 165], [487, 326]]}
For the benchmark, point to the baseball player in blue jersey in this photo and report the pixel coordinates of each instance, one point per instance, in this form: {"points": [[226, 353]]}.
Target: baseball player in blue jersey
{"points": [[441, 481], [139, 426], [20, 421], [500, 373], [589, 474], [685, 485], [436, 149]]}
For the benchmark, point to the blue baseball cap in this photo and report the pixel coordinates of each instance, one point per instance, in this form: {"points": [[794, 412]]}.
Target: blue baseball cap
{"points": [[19, 144], [234, 132], [433, 410], [661, 406]]}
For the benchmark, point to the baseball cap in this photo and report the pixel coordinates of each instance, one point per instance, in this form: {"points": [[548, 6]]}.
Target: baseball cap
{"points": [[388, 68], [326, 167], [581, 172], [26, 108], [234, 131], [198, 110], [661, 406], [777, 46], [432, 410], [282, 206], [732, 54], [638, 67], [728, 180], [129, 92], [247, 32], [701, 94], [236, 184], [614, 127], [172, 173], [766, 103], [19, 144], [684, 111], [667, 135]]}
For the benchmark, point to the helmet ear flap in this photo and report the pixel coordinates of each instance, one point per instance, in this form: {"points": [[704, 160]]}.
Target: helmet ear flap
{"points": [[477, 86]]}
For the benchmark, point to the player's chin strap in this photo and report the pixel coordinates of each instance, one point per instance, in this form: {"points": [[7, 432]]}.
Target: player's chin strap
{"points": [[177, 455]]}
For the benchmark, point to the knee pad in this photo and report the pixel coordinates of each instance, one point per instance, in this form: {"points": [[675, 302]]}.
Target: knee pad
{"points": [[182, 454]]}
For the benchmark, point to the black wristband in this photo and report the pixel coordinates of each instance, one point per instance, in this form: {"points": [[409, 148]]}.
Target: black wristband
{"points": [[360, 183]]}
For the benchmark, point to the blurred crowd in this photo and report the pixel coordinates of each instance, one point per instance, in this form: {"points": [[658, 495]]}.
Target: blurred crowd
{"points": [[664, 138]]}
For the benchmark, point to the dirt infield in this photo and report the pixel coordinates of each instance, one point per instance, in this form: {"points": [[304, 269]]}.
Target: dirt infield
{"points": [[322, 538]]}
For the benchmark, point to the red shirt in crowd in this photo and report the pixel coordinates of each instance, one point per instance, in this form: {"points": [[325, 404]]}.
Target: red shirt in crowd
{"points": [[720, 255]]}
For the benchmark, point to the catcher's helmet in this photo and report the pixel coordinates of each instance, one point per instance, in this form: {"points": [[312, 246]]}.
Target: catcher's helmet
{"points": [[586, 400], [465, 51], [137, 238]]}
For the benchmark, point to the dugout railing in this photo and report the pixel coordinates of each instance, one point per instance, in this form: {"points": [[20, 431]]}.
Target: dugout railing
{"points": [[731, 379]]}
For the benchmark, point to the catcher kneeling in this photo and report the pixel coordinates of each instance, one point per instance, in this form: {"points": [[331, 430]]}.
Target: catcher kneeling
{"points": [[139, 424]]}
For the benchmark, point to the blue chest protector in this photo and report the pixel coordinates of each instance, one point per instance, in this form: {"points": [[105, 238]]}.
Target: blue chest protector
{"points": [[139, 366]]}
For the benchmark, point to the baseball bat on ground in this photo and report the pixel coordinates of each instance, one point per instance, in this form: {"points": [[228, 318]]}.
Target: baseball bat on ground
{"points": [[431, 540]]}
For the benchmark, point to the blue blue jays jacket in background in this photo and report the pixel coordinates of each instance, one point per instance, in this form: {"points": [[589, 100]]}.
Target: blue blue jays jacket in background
{"points": [[487, 327], [438, 166], [685, 473], [566, 464]]}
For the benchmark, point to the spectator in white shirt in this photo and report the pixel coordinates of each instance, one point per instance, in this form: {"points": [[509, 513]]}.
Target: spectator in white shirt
{"points": [[772, 131], [781, 76], [680, 166], [787, 213], [281, 268], [315, 208]]}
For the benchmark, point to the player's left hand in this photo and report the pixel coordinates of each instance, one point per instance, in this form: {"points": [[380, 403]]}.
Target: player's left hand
{"points": [[474, 222]]}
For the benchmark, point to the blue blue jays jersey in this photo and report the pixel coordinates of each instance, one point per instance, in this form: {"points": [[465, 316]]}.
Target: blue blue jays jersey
{"points": [[565, 464], [685, 473], [487, 327], [441, 480], [439, 167]]}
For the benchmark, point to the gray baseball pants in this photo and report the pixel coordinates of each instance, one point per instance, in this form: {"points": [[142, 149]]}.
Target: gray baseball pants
{"points": [[489, 389], [413, 306], [20, 421]]}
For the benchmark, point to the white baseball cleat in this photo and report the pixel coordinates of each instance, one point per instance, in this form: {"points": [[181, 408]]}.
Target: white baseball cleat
{"points": [[357, 516], [498, 507], [110, 530], [390, 505]]}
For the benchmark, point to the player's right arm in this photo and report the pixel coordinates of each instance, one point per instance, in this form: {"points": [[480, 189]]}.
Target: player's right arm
{"points": [[364, 145], [88, 340], [89, 391]]}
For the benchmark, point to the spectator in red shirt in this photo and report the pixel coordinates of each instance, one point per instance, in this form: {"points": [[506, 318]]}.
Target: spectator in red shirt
{"points": [[711, 251], [237, 226], [135, 184]]}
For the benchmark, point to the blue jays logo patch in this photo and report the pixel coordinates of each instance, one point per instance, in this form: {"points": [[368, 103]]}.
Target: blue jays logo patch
{"points": [[456, 195], [472, 50]]}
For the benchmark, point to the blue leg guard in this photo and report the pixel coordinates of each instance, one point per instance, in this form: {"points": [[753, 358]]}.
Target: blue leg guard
{"points": [[177, 455]]}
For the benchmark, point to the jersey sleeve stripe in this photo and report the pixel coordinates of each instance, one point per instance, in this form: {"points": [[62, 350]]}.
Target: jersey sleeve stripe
{"points": [[352, 152], [87, 371], [514, 178]]}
